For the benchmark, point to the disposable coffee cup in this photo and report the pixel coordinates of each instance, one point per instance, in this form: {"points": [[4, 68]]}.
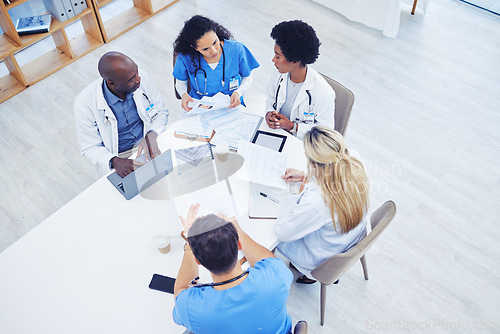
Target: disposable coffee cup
{"points": [[162, 242], [294, 187], [222, 151]]}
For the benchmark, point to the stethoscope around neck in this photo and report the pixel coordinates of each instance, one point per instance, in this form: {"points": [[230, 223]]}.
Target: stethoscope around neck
{"points": [[198, 68], [194, 283], [275, 104]]}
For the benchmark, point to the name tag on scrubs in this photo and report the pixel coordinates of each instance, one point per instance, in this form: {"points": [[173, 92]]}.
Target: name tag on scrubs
{"points": [[234, 84], [151, 110]]}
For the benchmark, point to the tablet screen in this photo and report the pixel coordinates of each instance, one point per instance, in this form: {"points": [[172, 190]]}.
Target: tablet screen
{"points": [[270, 140]]}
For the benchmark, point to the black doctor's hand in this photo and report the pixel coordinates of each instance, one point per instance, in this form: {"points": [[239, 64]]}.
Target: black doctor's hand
{"points": [[275, 120], [149, 145], [124, 167], [271, 119]]}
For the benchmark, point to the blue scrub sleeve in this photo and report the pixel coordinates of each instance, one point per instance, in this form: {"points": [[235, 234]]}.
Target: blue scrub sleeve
{"points": [[180, 312], [180, 69], [277, 268], [247, 61]]}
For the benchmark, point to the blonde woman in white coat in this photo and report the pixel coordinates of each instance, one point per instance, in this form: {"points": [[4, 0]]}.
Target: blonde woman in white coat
{"points": [[327, 217], [298, 96]]}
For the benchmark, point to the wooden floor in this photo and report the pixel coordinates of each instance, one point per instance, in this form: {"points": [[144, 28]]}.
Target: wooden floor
{"points": [[426, 121]]}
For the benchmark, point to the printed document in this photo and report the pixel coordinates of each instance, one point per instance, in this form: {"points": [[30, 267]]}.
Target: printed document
{"points": [[262, 165]]}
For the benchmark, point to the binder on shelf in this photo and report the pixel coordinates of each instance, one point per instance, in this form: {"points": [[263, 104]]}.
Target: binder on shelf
{"points": [[68, 8], [56, 8], [78, 6], [33, 24]]}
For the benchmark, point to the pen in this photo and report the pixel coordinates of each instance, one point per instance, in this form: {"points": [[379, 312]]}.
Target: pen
{"points": [[271, 198]]}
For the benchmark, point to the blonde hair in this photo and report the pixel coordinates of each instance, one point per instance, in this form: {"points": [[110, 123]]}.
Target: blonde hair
{"points": [[342, 178]]}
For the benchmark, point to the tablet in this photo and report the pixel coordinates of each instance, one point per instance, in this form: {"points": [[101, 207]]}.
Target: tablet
{"points": [[270, 140]]}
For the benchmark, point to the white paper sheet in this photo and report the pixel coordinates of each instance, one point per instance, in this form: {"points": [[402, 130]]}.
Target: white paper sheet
{"points": [[262, 165], [193, 125], [212, 199], [243, 130]]}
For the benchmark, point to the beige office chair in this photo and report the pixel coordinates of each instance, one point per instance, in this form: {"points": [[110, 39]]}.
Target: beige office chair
{"points": [[300, 327], [344, 99], [188, 81], [333, 268]]}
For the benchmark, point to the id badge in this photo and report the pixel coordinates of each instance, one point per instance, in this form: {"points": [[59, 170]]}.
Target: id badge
{"points": [[234, 84], [151, 110], [308, 117]]}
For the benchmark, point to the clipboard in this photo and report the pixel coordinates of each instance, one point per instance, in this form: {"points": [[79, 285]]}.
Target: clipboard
{"points": [[265, 201], [194, 137]]}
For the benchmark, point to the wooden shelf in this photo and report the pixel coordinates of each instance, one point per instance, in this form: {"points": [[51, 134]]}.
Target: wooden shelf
{"points": [[95, 33], [7, 46], [45, 65], [124, 22], [9, 86], [159, 5], [84, 44], [103, 3], [15, 3]]}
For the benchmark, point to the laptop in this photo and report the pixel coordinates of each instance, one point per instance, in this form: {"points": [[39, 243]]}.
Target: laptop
{"points": [[143, 177]]}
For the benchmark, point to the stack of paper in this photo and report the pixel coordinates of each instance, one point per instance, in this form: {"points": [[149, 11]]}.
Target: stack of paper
{"points": [[230, 124]]}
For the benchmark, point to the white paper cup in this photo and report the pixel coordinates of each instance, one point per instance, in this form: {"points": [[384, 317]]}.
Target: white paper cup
{"points": [[294, 187], [162, 242], [222, 151]]}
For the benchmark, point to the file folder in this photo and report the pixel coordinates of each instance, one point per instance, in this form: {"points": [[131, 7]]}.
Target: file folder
{"points": [[68, 8], [56, 9], [78, 6]]}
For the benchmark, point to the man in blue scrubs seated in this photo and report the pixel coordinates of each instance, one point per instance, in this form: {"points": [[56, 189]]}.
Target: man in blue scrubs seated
{"points": [[119, 115], [212, 61], [252, 301]]}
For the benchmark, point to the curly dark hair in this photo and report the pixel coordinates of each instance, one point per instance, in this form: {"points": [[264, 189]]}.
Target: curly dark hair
{"points": [[193, 30], [297, 40]]}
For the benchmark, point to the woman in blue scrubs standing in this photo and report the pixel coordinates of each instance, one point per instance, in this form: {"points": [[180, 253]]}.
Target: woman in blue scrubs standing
{"points": [[212, 61]]}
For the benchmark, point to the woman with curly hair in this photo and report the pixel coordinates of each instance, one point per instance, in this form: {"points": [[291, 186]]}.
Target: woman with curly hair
{"points": [[298, 96], [327, 217], [212, 61]]}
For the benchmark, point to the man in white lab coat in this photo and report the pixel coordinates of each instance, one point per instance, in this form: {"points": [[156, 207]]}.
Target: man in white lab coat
{"points": [[119, 116]]}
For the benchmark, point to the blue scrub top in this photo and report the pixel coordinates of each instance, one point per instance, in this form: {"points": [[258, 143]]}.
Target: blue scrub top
{"points": [[256, 305], [239, 63]]}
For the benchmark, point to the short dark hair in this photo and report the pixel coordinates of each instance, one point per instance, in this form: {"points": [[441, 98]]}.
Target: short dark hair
{"points": [[193, 30], [297, 40], [214, 242]]}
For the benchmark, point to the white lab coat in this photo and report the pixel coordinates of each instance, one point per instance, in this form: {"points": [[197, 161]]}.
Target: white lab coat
{"points": [[306, 230], [322, 100], [97, 127]]}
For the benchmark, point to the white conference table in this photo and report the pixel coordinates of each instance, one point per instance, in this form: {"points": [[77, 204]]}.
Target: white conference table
{"points": [[86, 268]]}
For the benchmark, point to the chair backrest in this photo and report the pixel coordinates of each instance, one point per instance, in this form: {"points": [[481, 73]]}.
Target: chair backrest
{"points": [[334, 267], [300, 327], [344, 99], [175, 80]]}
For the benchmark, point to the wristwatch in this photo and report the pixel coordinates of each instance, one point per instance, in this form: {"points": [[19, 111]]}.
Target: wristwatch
{"points": [[111, 163], [294, 128]]}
